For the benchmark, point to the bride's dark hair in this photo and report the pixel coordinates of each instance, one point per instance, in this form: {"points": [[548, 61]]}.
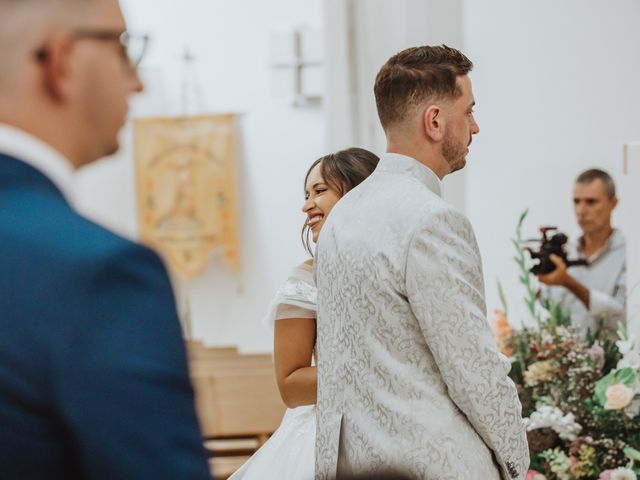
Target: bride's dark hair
{"points": [[341, 171]]}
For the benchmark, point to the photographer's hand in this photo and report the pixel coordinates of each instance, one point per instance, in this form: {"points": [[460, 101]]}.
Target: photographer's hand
{"points": [[561, 277]]}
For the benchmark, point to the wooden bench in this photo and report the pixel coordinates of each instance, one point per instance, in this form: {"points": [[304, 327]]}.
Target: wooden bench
{"points": [[237, 402], [197, 350]]}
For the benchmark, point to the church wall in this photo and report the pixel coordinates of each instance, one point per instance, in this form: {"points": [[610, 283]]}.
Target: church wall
{"points": [[231, 73], [557, 90], [556, 85]]}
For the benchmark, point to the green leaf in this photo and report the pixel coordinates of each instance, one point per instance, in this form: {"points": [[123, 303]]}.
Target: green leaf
{"points": [[503, 299], [626, 376], [523, 215], [632, 454], [622, 331], [556, 314], [601, 387]]}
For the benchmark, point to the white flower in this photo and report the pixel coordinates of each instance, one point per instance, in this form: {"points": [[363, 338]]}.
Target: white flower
{"points": [[627, 344], [546, 337], [546, 416], [542, 312], [623, 474], [630, 360], [633, 410], [630, 353]]}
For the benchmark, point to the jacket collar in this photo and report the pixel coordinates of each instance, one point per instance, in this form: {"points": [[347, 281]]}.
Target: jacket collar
{"points": [[397, 163], [615, 242]]}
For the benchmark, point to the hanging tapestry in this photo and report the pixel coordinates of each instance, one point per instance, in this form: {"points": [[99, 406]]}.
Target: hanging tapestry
{"points": [[186, 182]]}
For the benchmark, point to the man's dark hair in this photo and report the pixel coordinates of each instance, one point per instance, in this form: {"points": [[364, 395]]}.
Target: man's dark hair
{"points": [[593, 174], [415, 75]]}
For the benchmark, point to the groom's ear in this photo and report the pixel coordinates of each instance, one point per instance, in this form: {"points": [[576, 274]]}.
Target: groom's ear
{"points": [[433, 123]]}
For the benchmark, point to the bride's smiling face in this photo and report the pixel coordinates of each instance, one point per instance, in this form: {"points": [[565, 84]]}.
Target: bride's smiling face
{"points": [[319, 200]]}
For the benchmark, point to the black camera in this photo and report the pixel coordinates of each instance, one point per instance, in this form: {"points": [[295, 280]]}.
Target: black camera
{"points": [[551, 245]]}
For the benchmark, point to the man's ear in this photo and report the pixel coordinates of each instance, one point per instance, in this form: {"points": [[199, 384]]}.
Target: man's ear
{"points": [[614, 202], [434, 123], [55, 61]]}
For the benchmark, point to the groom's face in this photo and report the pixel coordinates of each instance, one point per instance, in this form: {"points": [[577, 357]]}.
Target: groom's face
{"points": [[460, 126]]}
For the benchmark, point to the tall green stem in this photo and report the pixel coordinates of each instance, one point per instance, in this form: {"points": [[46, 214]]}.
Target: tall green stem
{"points": [[526, 277]]}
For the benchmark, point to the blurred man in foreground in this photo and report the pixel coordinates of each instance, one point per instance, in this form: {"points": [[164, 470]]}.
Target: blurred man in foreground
{"points": [[93, 375]]}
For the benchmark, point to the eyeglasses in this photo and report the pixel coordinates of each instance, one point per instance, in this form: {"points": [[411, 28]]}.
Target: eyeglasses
{"points": [[133, 47]]}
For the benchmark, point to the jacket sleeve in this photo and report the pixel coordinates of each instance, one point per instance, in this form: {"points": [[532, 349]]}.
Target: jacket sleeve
{"points": [[123, 390], [446, 292]]}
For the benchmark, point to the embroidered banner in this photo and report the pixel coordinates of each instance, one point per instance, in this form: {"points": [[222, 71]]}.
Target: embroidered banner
{"points": [[186, 183]]}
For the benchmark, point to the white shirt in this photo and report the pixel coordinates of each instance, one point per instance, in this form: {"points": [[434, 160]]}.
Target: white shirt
{"points": [[605, 277], [41, 156]]}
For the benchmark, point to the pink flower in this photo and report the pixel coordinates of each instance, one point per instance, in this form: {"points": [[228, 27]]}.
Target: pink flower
{"points": [[574, 466], [619, 473], [618, 397], [534, 475], [597, 353]]}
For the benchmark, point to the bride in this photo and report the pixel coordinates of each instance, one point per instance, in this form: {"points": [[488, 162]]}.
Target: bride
{"points": [[290, 452]]}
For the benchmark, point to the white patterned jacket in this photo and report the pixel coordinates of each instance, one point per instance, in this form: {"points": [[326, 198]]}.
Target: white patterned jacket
{"points": [[409, 378]]}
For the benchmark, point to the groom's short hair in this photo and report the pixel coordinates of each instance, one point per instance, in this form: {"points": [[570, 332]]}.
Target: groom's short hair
{"points": [[416, 75]]}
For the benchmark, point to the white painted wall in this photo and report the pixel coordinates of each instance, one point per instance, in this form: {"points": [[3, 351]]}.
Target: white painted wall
{"points": [[557, 91], [361, 36], [631, 193], [556, 85], [230, 41]]}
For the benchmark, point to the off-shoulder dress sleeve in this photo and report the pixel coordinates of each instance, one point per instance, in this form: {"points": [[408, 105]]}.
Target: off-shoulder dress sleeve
{"points": [[296, 298]]}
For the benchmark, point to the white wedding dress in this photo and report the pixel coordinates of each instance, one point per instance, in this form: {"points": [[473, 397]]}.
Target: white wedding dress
{"points": [[290, 452]]}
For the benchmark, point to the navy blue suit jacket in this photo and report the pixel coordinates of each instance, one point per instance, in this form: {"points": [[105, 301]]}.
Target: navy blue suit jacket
{"points": [[93, 374]]}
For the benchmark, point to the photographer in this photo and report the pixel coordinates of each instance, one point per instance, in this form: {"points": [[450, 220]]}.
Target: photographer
{"points": [[597, 291]]}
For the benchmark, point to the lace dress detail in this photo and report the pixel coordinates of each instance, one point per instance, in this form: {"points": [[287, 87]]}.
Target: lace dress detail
{"points": [[300, 290], [296, 298]]}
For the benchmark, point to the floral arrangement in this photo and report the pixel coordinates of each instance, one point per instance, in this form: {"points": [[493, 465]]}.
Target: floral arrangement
{"points": [[580, 396]]}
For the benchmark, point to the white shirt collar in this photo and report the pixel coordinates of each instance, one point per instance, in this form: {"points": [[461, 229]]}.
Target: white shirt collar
{"points": [[44, 158], [615, 241], [398, 162]]}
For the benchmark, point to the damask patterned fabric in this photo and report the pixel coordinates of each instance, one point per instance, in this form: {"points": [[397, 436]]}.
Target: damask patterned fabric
{"points": [[409, 377]]}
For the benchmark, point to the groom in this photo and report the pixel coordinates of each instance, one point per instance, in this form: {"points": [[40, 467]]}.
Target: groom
{"points": [[409, 379]]}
